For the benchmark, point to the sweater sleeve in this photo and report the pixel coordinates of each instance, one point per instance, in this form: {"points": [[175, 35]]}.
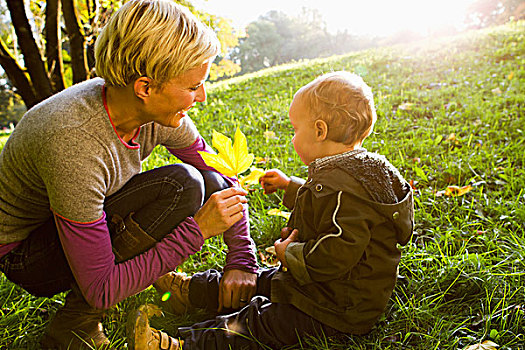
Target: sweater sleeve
{"points": [[190, 155], [241, 248], [103, 282]]}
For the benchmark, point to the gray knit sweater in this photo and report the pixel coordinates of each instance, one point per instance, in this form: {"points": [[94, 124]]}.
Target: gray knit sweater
{"points": [[66, 156]]}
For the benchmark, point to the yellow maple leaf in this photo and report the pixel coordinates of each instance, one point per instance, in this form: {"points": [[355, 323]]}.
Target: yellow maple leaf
{"points": [[253, 177], [230, 160], [280, 213]]}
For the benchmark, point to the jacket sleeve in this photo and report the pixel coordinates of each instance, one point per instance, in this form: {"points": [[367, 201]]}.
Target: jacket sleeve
{"points": [[290, 194], [332, 254]]}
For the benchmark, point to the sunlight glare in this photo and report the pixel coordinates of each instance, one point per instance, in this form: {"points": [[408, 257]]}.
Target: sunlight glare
{"points": [[373, 17]]}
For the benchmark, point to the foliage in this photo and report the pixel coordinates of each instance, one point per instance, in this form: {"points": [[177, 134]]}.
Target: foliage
{"points": [[277, 38], [462, 277], [42, 70], [483, 13], [12, 107]]}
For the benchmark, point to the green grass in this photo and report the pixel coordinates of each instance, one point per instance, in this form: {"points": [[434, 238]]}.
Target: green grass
{"points": [[462, 277]]}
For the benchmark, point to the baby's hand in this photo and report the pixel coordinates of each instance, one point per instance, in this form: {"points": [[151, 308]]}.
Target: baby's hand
{"points": [[281, 244], [274, 180], [285, 232]]}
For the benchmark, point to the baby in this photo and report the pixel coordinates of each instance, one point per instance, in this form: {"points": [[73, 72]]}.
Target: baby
{"points": [[339, 251]]}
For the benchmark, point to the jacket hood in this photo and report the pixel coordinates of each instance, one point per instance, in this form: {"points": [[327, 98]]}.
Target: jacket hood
{"points": [[381, 185]]}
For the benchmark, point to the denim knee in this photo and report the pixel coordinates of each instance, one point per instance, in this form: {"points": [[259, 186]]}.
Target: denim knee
{"points": [[213, 182], [192, 185]]}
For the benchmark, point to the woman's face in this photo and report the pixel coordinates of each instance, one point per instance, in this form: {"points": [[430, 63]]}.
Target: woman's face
{"points": [[170, 103]]}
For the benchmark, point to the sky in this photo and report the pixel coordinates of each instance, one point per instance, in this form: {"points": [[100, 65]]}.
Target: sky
{"points": [[363, 17]]}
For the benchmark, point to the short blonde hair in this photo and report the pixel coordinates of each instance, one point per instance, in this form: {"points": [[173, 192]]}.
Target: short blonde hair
{"points": [[344, 101], [155, 38]]}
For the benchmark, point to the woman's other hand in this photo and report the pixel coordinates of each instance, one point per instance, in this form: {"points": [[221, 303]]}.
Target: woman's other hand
{"points": [[274, 180], [236, 289], [223, 209]]}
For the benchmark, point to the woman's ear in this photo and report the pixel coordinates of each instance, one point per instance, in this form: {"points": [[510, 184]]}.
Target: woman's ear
{"points": [[321, 130], [142, 87]]}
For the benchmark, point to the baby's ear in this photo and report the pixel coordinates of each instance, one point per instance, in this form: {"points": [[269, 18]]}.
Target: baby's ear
{"points": [[321, 130]]}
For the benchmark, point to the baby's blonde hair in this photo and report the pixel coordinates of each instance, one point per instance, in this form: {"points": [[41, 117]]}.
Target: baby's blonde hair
{"points": [[344, 101], [158, 39]]}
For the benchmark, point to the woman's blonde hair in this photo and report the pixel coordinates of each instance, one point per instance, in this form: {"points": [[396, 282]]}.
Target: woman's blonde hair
{"points": [[155, 38], [344, 101]]}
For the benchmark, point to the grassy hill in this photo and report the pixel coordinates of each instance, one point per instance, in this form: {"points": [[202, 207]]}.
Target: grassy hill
{"points": [[450, 113]]}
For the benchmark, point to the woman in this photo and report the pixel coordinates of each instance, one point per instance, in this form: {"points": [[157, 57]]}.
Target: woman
{"points": [[74, 211]]}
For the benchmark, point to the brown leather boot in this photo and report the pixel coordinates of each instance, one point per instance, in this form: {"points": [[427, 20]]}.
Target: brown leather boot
{"points": [[142, 337], [128, 238], [76, 326], [177, 284]]}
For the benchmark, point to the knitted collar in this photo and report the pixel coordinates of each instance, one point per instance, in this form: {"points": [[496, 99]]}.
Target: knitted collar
{"points": [[328, 161]]}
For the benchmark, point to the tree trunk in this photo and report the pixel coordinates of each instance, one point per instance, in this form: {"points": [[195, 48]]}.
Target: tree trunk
{"points": [[32, 58], [16, 75], [76, 42], [54, 46]]}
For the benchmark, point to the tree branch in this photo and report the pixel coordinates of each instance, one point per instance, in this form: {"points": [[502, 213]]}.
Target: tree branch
{"points": [[55, 65], [32, 58], [17, 76], [76, 42]]}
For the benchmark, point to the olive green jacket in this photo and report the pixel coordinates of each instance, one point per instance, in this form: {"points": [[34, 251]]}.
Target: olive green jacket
{"points": [[351, 214]]}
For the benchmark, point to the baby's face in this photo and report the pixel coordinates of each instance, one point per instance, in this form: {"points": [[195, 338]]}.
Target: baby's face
{"points": [[304, 140]]}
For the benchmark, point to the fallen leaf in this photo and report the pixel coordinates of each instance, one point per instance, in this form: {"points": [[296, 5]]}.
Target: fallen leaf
{"points": [[269, 261], [454, 191], [486, 345], [269, 135], [280, 213], [230, 161], [407, 106], [270, 250], [261, 160], [510, 76]]}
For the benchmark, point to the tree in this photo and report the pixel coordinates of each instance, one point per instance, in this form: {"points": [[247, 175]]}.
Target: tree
{"points": [[40, 61], [483, 13], [43, 70], [276, 38]]}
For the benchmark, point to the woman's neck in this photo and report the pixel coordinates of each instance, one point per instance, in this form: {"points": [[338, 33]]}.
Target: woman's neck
{"points": [[123, 111]]}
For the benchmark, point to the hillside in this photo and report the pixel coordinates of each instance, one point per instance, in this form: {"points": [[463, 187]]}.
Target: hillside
{"points": [[450, 113]]}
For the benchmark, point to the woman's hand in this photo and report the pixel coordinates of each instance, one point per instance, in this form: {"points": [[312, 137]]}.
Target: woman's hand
{"points": [[236, 289], [221, 210], [281, 244], [274, 180]]}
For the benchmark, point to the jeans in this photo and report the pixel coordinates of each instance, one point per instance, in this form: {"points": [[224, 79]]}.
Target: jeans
{"points": [[160, 199], [260, 322]]}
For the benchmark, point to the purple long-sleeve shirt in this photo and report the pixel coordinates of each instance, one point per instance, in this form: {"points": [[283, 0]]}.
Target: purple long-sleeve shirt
{"points": [[102, 281]]}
